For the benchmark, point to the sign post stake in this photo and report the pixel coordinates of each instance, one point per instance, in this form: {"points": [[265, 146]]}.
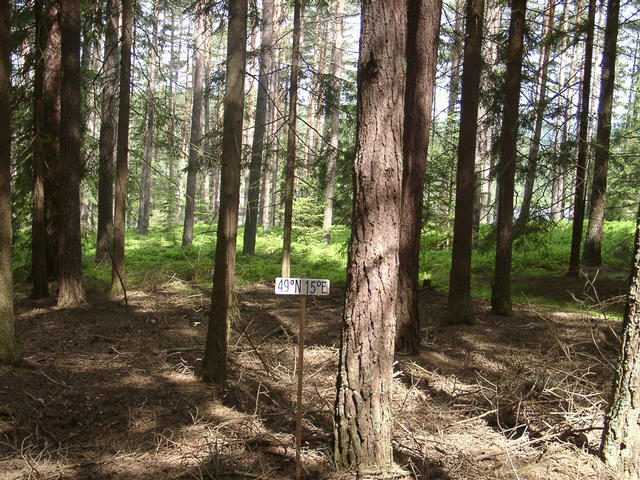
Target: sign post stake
{"points": [[301, 287], [303, 302]]}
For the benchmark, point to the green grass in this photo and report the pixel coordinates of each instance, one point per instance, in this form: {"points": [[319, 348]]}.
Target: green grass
{"points": [[539, 255]]}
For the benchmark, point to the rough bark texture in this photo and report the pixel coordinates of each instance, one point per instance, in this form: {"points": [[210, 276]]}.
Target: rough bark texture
{"points": [[257, 147], [214, 365], [333, 109], [592, 250], [70, 291], [621, 435], [290, 166], [195, 142], [363, 415], [581, 160], [107, 143], [51, 131], [501, 294], [8, 351], [144, 203], [122, 155], [39, 220], [423, 28], [459, 302]]}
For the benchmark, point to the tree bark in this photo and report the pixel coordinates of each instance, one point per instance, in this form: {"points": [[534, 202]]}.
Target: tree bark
{"points": [[620, 448], [214, 365], [540, 106], [122, 155], [501, 293], [487, 122], [51, 132], [8, 349], [144, 203], [195, 142], [257, 147], [333, 109], [423, 29], [459, 308], [592, 250], [290, 166], [39, 220], [70, 291], [581, 140], [363, 411], [106, 150]]}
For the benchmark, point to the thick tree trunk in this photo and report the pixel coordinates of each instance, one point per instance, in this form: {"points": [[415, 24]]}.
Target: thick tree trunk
{"points": [[333, 109], [144, 203], [39, 220], [106, 151], [214, 365], [195, 143], [70, 291], [363, 411], [122, 156], [51, 132], [423, 28], [501, 293], [257, 147], [581, 140], [620, 447], [459, 302], [592, 251], [290, 166], [8, 350], [540, 107]]}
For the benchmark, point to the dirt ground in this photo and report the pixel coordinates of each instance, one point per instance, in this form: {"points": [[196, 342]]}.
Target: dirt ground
{"points": [[112, 393]]}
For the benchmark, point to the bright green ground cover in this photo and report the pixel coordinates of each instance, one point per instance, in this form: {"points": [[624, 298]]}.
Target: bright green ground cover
{"points": [[538, 255]]}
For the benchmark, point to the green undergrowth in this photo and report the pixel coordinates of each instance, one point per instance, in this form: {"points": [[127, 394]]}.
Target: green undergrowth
{"points": [[540, 258], [159, 257]]}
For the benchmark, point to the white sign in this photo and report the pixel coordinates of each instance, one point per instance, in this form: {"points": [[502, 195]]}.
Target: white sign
{"points": [[302, 286]]}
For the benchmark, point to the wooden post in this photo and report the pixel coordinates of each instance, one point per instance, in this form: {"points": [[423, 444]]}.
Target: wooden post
{"points": [[302, 287], [303, 303]]}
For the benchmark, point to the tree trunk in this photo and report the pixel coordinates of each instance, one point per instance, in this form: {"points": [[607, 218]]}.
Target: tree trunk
{"points": [[620, 447], [423, 28], [257, 147], [51, 132], [592, 252], [70, 291], [195, 143], [540, 106], [501, 294], [171, 209], [107, 143], [8, 349], [214, 365], [562, 123], [122, 156], [459, 302], [39, 220], [486, 122], [333, 109], [363, 411], [581, 140], [290, 166], [144, 205]]}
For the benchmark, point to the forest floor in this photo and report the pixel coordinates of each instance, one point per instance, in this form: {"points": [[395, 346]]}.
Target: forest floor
{"points": [[107, 392]]}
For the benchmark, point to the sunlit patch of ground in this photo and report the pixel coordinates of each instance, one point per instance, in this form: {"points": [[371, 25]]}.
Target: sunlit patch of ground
{"points": [[113, 393]]}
